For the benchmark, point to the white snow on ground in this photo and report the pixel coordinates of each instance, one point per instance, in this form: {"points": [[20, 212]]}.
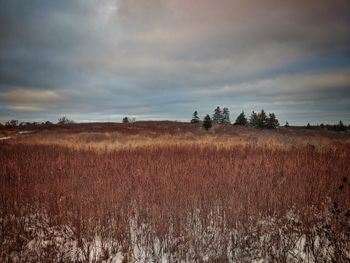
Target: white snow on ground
{"points": [[19, 133], [25, 132], [266, 240]]}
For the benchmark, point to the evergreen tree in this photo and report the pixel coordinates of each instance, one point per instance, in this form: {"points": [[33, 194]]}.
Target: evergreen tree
{"points": [[308, 126], [253, 120], [286, 125], [262, 120], [272, 122], [322, 126], [195, 118], [207, 122], [241, 119], [226, 116], [217, 116], [125, 120]]}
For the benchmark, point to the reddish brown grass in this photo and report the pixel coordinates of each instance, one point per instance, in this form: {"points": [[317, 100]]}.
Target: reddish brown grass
{"points": [[94, 178], [166, 183]]}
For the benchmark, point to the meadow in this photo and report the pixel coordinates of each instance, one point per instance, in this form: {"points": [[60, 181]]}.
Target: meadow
{"points": [[172, 192]]}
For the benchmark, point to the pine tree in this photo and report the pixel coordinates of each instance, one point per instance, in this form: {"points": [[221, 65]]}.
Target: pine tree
{"points": [[195, 118], [253, 120], [241, 119], [225, 116], [217, 116], [262, 120], [125, 120], [286, 125], [272, 122], [308, 126], [207, 122]]}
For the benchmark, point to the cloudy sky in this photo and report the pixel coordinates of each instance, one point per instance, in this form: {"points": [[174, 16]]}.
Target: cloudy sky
{"points": [[163, 59]]}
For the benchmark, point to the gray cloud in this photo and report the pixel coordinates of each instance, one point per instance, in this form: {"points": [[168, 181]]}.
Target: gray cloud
{"points": [[25, 100], [165, 58]]}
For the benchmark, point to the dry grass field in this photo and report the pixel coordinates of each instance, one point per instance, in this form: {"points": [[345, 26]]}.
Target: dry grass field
{"points": [[172, 192]]}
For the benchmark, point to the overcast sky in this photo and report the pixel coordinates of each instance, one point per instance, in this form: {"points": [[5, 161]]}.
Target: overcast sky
{"points": [[163, 59]]}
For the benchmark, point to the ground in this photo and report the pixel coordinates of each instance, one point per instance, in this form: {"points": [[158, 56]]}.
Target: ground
{"points": [[171, 191]]}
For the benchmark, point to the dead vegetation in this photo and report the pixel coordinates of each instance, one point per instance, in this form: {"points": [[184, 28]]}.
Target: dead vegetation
{"points": [[203, 197]]}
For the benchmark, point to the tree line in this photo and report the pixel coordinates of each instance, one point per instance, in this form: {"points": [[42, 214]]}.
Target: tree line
{"points": [[222, 116], [260, 120], [340, 126]]}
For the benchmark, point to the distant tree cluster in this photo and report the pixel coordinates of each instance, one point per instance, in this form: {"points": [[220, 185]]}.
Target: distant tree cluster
{"points": [[64, 120], [340, 126], [262, 120], [128, 120], [222, 116], [11, 123], [15, 123], [219, 117]]}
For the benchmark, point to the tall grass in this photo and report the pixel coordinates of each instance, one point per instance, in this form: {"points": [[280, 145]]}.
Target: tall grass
{"points": [[246, 181], [100, 191]]}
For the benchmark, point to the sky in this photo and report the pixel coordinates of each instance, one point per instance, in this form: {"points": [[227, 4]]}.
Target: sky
{"points": [[100, 60]]}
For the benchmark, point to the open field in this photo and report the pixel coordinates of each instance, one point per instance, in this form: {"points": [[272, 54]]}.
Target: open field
{"points": [[116, 136], [171, 192]]}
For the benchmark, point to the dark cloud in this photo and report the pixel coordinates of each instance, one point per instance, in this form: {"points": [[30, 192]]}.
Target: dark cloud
{"points": [[164, 58]]}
